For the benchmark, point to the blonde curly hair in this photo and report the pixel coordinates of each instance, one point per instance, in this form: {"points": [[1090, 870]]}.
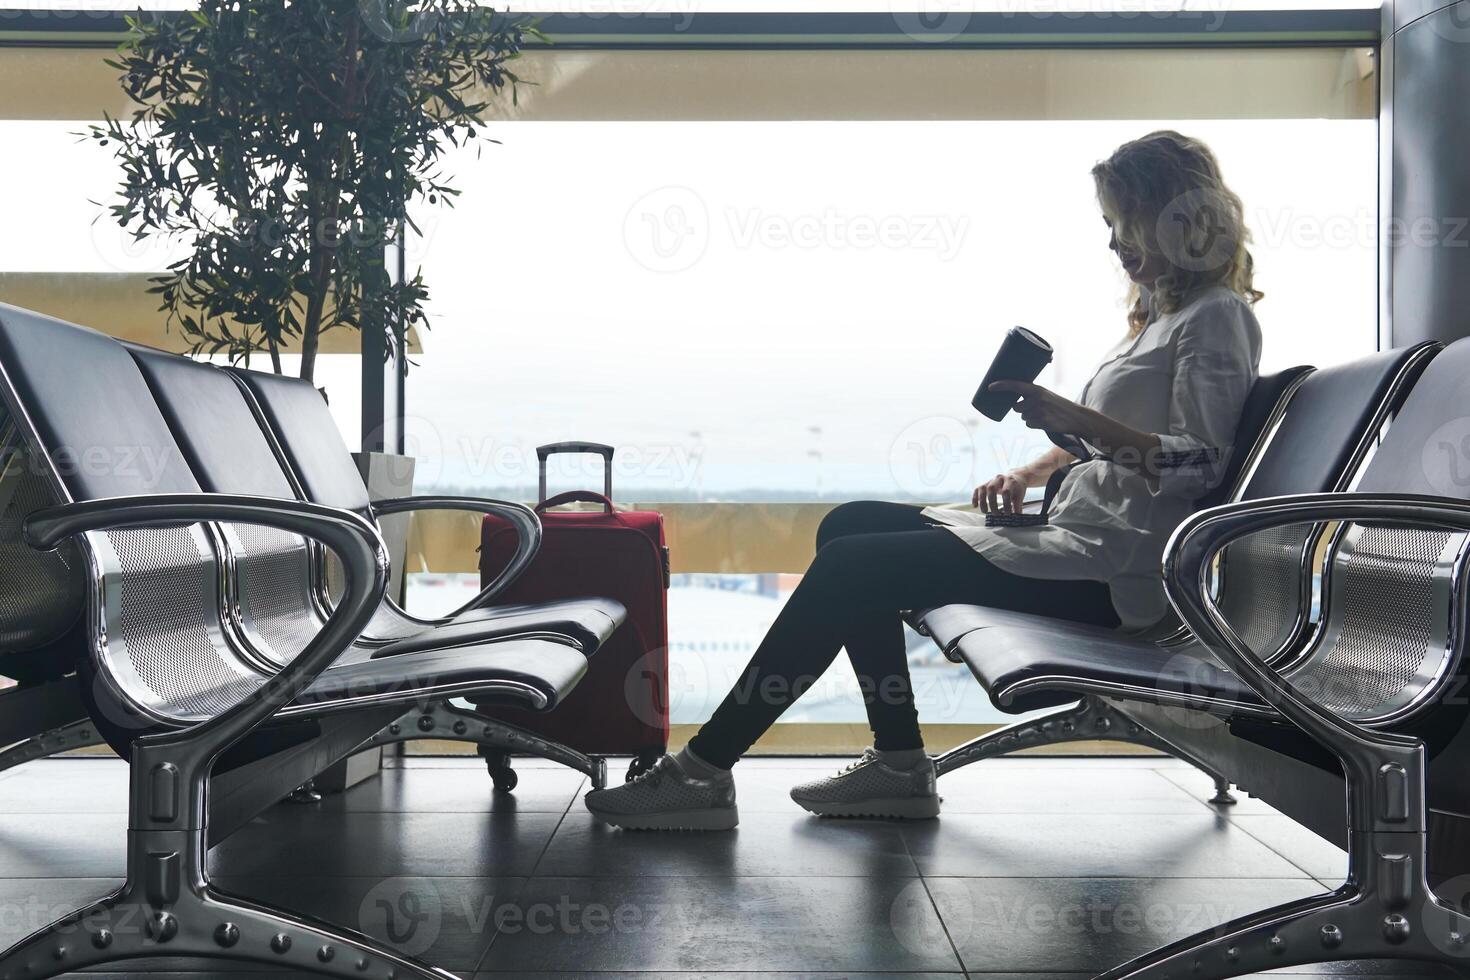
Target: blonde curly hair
{"points": [[1166, 201]]}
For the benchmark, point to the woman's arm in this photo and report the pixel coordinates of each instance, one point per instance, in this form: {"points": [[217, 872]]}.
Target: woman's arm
{"points": [[1215, 356], [1043, 409]]}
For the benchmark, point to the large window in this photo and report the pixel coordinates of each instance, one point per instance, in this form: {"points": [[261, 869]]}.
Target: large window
{"points": [[771, 279], [759, 311]]}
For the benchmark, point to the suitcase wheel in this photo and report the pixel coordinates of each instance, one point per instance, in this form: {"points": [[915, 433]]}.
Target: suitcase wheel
{"points": [[642, 762]]}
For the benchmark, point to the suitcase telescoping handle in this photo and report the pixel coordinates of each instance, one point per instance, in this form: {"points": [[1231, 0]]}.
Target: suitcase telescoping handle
{"points": [[556, 448]]}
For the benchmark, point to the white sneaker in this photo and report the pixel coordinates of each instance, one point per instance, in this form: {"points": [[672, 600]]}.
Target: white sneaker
{"points": [[667, 798], [870, 787]]}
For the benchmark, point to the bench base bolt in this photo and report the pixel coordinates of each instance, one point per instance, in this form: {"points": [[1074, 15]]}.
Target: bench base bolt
{"points": [[1395, 928], [280, 943], [1331, 936], [1232, 954], [102, 938], [325, 954], [1277, 944], [162, 927], [227, 934]]}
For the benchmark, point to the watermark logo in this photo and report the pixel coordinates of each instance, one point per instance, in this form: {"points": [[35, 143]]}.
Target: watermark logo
{"points": [[407, 912], [1445, 458], [1452, 23], [932, 913], [933, 459], [1195, 231], [667, 230], [1448, 926], [398, 22], [929, 22], [650, 699]]}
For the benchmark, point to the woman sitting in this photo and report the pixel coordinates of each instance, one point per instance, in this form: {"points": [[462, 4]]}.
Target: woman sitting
{"points": [[1175, 385]]}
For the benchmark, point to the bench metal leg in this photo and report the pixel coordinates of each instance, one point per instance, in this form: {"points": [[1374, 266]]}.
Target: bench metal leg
{"points": [[440, 719], [1385, 910], [77, 735], [1092, 719], [168, 909]]}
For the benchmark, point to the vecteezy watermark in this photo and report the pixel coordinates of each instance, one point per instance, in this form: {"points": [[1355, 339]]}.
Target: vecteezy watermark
{"points": [[667, 230], [671, 228], [1288, 228], [932, 913], [400, 21], [679, 13], [1195, 231], [1448, 925], [656, 685], [831, 229], [1445, 458], [933, 458], [1212, 12], [1451, 22], [930, 22], [407, 912]]}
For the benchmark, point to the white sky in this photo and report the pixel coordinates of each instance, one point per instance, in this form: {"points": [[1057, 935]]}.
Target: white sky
{"points": [[815, 300]]}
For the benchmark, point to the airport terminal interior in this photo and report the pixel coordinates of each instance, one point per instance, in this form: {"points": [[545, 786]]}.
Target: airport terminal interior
{"points": [[735, 489]]}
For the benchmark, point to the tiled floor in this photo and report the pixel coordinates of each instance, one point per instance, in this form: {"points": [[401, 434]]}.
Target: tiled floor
{"points": [[1039, 868]]}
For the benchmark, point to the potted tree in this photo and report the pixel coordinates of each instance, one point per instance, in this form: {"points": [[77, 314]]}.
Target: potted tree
{"points": [[286, 144]]}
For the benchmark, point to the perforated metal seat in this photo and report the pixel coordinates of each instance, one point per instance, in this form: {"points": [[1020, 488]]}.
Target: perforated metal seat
{"points": [[1314, 441], [167, 679], [278, 596], [1310, 433], [1371, 706]]}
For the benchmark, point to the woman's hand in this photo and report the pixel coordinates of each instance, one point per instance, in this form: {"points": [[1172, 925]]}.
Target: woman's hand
{"points": [[1003, 493], [1043, 409]]}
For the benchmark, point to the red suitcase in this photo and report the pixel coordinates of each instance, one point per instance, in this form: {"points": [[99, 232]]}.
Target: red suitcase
{"points": [[622, 705]]}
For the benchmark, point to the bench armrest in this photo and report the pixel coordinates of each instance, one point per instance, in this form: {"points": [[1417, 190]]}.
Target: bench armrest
{"points": [[1187, 561], [527, 527], [355, 542]]}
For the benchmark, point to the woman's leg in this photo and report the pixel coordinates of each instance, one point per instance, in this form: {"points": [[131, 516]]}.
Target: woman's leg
{"points": [[869, 517], [852, 596]]}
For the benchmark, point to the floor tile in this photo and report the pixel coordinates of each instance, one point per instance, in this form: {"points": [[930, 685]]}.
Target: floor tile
{"points": [[1319, 858], [445, 790], [301, 840], [63, 845], [732, 924], [28, 904], [1202, 787], [66, 786], [987, 788], [448, 922], [782, 845], [1002, 925], [1201, 845]]}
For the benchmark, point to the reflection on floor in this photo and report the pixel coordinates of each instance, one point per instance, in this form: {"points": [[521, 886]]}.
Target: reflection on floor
{"points": [[1043, 867]]}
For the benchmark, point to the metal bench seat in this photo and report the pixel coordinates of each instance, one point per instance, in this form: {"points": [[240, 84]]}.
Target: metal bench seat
{"points": [[1368, 704], [167, 681], [1050, 664], [279, 596], [1314, 440]]}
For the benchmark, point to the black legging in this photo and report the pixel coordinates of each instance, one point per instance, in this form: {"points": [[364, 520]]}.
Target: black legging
{"points": [[874, 560]]}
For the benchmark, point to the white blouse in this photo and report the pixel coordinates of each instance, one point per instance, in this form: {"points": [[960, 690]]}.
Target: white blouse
{"points": [[1184, 377]]}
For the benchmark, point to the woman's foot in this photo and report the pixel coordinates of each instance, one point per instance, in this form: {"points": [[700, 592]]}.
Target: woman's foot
{"points": [[669, 797], [874, 786]]}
